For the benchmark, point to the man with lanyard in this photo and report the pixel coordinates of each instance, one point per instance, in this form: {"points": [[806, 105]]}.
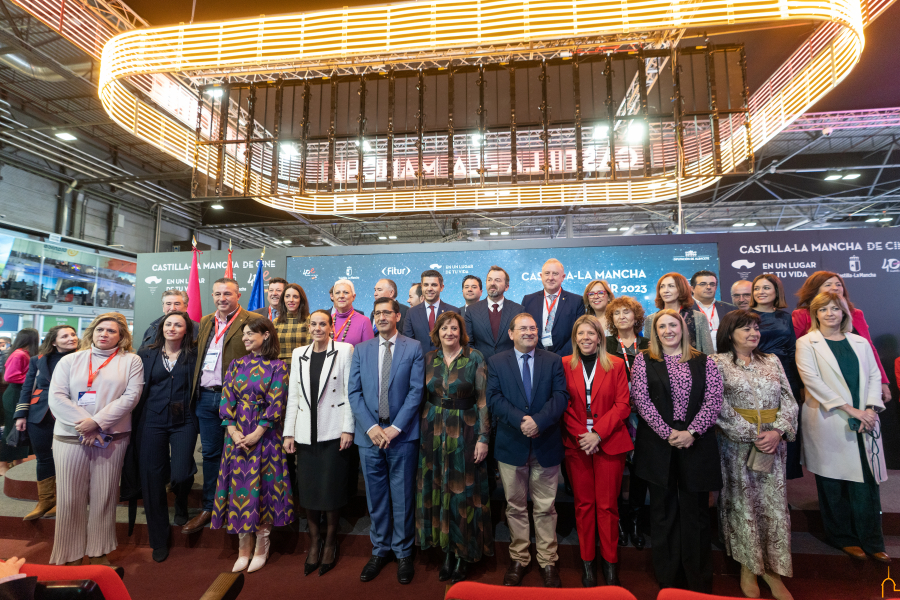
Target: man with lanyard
{"points": [[218, 343], [273, 295], [421, 318], [554, 309], [705, 284]]}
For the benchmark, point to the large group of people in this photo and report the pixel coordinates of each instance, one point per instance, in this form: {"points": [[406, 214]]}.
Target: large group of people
{"points": [[433, 403]]}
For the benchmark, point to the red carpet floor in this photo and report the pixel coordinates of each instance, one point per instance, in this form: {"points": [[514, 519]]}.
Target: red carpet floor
{"points": [[188, 571]]}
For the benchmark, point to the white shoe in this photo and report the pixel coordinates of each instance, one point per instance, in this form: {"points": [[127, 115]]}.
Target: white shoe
{"points": [[245, 544], [262, 550]]}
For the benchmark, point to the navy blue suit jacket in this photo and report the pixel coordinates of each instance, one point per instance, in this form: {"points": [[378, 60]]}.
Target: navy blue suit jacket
{"points": [[568, 308], [478, 326], [506, 401], [415, 325], [407, 382]]}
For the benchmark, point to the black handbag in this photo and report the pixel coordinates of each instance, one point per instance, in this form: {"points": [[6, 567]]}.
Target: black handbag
{"points": [[17, 439]]}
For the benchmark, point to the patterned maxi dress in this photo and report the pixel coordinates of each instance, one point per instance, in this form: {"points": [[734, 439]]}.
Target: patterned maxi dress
{"points": [[754, 521], [453, 509], [254, 486]]}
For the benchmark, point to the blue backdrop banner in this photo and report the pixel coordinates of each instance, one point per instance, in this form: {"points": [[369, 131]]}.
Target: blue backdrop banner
{"points": [[630, 270]]}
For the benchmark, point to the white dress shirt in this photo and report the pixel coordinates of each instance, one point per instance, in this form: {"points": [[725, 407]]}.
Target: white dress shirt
{"points": [[491, 304]]}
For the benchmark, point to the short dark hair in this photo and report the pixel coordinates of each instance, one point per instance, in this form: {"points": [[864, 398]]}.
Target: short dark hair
{"points": [[448, 316], [731, 321], [188, 342], [703, 273], [478, 279], [512, 323], [227, 280], [270, 348], [502, 270], [277, 280], [418, 288], [395, 306], [431, 273]]}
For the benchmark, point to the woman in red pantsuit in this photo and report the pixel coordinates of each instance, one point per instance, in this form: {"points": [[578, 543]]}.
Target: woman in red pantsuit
{"points": [[596, 441]]}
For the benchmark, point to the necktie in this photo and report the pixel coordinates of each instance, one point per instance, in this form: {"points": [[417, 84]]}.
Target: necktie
{"points": [[431, 318], [526, 378], [549, 327], [384, 408], [495, 321]]}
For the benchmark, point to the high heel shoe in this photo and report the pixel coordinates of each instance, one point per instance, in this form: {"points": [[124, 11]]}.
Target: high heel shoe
{"points": [[633, 530], [325, 567], [245, 547], [309, 567], [261, 555], [776, 585], [749, 583]]}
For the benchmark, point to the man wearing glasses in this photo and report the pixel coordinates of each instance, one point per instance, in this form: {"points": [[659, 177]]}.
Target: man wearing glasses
{"points": [[742, 294], [526, 394], [705, 284]]}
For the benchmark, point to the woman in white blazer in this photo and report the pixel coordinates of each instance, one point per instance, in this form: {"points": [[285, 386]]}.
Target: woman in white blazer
{"points": [[319, 426], [842, 431]]}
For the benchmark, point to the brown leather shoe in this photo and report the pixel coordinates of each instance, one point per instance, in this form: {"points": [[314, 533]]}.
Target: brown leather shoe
{"points": [[515, 573], [855, 552], [881, 557], [550, 575], [201, 521]]}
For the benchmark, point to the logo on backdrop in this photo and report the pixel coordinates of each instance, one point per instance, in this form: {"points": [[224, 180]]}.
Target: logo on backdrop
{"points": [[311, 273], [435, 266], [396, 271], [349, 271], [153, 282], [891, 265], [855, 264], [691, 255], [743, 263]]}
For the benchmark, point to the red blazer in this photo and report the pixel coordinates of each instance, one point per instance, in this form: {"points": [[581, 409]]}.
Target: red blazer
{"points": [[610, 405]]}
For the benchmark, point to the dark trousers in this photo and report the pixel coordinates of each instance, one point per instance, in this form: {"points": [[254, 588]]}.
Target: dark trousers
{"points": [[166, 455], [851, 512], [680, 535], [41, 436], [212, 437]]}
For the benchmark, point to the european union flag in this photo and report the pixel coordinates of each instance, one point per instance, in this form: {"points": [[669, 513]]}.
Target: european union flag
{"points": [[258, 294]]}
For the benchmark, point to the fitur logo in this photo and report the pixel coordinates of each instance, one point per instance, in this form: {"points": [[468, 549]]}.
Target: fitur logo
{"points": [[893, 583]]}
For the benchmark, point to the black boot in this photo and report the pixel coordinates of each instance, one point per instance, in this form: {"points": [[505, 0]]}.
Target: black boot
{"points": [[610, 572], [633, 530], [623, 536], [461, 571], [447, 566], [589, 575]]}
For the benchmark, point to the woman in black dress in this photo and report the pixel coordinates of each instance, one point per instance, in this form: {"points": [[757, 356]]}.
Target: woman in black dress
{"points": [[625, 316], [777, 336], [319, 426]]}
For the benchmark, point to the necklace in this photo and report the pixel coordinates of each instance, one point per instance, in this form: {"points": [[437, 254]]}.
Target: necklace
{"points": [[169, 363], [449, 361], [345, 327]]}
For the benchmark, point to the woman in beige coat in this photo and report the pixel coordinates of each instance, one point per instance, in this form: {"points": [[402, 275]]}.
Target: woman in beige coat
{"points": [[842, 431]]}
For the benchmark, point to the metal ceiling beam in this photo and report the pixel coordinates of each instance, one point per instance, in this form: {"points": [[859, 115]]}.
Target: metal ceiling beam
{"points": [[149, 177], [62, 126]]}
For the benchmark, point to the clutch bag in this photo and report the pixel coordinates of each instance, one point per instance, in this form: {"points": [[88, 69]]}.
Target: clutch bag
{"points": [[760, 461]]}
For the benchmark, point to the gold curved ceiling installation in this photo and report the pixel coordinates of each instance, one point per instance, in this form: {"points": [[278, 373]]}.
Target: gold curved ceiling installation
{"points": [[365, 35]]}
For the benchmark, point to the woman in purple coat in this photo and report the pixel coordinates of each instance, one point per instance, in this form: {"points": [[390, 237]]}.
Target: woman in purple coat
{"points": [[253, 492]]}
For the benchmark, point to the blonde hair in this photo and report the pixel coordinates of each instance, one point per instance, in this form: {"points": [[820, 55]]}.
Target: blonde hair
{"points": [[824, 299], [87, 338], [656, 352], [587, 303], [602, 356]]}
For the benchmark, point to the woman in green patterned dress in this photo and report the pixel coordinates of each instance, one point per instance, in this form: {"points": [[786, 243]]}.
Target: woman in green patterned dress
{"points": [[453, 509]]}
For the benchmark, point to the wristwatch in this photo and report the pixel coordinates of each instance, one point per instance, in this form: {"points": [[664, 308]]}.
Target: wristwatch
{"points": [[694, 433]]}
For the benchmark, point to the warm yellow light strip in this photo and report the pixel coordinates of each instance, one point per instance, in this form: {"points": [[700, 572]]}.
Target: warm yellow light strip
{"points": [[342, 35]]}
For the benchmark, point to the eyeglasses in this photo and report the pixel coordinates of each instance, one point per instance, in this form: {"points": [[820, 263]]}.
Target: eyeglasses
{"points": [[596, 294], [705, 284], [531, 329], [385, 313]]}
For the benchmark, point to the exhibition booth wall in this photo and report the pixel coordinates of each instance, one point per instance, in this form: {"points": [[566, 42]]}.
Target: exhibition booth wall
{"points": [[868, 260]]}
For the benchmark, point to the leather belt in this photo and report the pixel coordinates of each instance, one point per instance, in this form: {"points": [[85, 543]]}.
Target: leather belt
{"points": [[215, 389], [384, 422], [454, 403]]}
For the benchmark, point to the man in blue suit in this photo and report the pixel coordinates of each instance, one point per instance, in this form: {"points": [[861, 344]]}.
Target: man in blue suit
{"points": [[420, 318], [526, 392], [554, 309], [386, 382]]}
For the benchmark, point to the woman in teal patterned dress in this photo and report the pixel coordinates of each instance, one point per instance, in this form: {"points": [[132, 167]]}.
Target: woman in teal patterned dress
{"points": [[453, 510], [253, 491]]}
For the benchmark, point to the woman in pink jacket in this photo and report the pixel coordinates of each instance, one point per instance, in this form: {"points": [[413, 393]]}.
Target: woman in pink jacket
{"points": [[23, 348]]}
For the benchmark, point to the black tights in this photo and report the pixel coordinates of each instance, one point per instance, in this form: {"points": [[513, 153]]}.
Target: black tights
{"points": [[314, 522]]}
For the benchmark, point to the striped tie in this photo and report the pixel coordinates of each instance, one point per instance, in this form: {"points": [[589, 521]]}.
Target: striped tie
{"points": [[384, 408]]}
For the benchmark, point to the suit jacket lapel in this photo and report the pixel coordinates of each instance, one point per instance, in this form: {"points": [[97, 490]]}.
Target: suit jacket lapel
{"points": [[238, 325], [820, 346], [506, 315], [327, 367], [560, 306], [396, 357], [304, 375]]}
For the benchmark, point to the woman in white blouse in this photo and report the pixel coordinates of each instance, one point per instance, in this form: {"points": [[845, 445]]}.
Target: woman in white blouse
{"points": [[319, 425], [92, 394]]}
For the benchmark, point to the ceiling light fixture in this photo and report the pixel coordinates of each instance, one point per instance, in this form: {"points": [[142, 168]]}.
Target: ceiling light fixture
{"points": [[217, 206], [852, 176], [214, 92], [635, 131], [613, 229], [382, 237], [504, 233], [738, 225], [750, 224], [600, 132], [392, 237], [872, 220], [287, 242], [66, 137], [886, 219], [494, 233], [833, 177]]}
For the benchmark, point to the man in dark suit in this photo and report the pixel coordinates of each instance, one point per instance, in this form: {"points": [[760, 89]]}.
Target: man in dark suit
{"points": [[487, 321], [420, 318], [526, 392], [386, 288], [218, 343], [471, 289], [273, 296], [554, 309], [386, 383], [704, 285]]}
